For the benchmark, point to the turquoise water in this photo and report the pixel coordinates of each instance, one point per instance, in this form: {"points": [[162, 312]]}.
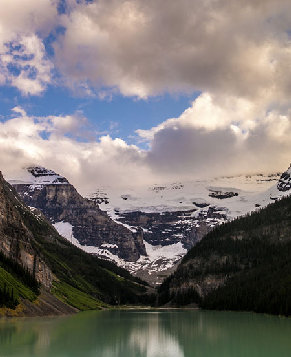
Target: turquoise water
{"points": [[168, 333]]}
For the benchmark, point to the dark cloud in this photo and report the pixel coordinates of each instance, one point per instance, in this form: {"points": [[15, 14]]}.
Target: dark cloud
{"points": [[188, 150]]}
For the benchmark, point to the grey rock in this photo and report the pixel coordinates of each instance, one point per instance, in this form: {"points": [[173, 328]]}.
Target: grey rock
{"points": [[60, 201]]}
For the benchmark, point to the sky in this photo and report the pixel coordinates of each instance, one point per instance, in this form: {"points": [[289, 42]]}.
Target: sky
{"points": [[132, 92]]}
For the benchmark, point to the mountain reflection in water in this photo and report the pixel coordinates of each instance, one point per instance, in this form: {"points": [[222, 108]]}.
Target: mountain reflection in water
{"points": [[164, 333]]}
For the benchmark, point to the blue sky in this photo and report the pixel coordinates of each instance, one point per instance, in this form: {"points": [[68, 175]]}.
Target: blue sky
{"points": [[119, 116]]}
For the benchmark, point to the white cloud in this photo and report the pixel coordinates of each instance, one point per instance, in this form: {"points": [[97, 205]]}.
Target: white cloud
{"points": [[179, 148], [213, 112], [33, 70], [237, 53], [23, 59], [86, 164], [220, 135], [143, 48], [239, 48]]}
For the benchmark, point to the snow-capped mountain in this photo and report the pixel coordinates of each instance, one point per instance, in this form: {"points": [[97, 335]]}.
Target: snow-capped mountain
{"points": [[175, 216], [35, 176], [75, 217], [232, 196], [147, 230]]}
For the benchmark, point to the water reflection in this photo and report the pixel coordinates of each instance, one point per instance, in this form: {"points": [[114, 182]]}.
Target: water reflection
{"points": [[147, 334], [151, 338]]}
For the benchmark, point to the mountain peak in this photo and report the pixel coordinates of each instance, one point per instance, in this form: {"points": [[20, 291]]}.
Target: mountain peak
{"points": [[46, 176], [37, 175]]}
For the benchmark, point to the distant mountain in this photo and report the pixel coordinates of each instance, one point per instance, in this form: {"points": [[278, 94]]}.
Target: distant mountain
{"points": [[175, 216], [46, 274], [146, 230], [241, 265]]}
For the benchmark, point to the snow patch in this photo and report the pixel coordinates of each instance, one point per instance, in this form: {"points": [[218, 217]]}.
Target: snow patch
{"points": [[172, 251], [158, 259], [65, 229], [36, 177], [108, 245]]}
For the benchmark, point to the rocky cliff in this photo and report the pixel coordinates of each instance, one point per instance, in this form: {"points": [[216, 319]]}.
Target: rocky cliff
{"points": [[60, 202], [35, 259], [168, 228], [284, 183], [16, 239]]}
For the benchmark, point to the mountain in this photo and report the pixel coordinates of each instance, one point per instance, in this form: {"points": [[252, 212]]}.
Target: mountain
{"points": [[78, 218], [175, 216], [146, 230], [234, 266], [244, 264], [43, 273]]}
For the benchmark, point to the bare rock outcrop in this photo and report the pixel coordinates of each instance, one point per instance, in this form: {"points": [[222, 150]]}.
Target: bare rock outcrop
{"points": [[59, 201], [16, 239]]}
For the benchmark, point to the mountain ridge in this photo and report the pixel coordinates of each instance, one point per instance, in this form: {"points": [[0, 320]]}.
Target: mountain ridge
{"points": [[240, 265], [59, 201], [158, 223], [70, 279]]}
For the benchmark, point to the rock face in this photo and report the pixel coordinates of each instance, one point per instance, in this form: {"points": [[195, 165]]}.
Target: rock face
{"points": [[284, 183], [16, 239], [221, 195], [29, 241], [169, 228], [59, 201]]}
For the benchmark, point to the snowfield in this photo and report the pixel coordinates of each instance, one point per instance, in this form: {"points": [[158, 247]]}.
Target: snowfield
{"points": [[36, 177], [251, 190]]}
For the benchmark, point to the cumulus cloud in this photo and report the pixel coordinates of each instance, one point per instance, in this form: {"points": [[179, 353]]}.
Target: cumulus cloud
{"points": [[144, 48], [212, 112], [23, 59], [26, 140], [218, 136], [180, 148]]}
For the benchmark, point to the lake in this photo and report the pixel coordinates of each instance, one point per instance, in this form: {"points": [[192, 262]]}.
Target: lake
{"points": [[150, 333]]}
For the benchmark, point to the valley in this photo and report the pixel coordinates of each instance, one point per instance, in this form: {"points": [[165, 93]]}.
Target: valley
{"points": [[42, 273], [146, 230], [197, 255]]}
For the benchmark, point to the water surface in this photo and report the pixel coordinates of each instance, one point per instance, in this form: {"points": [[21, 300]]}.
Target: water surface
{"points": [[166, 333]]}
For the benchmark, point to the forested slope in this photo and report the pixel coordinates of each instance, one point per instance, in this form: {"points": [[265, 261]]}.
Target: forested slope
{"points": [[241, 265]]}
